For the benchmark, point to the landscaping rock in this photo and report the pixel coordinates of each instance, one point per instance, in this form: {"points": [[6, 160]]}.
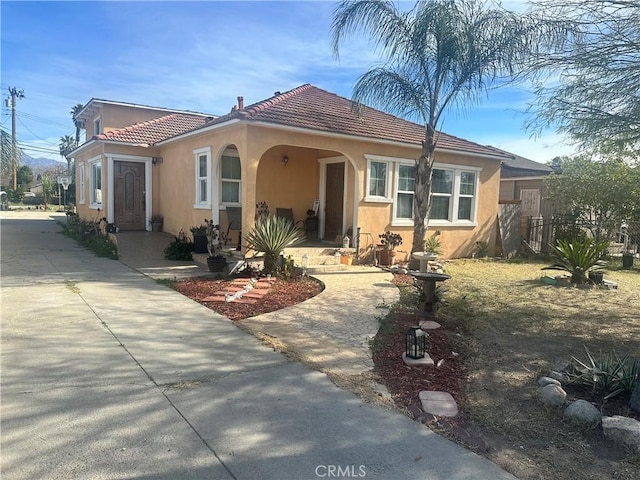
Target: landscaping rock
{"points": [[544, 381], [553, 395], [623, 430], [438, 403], [634, 403], [583, 412], [561, 365], [560, 376]]}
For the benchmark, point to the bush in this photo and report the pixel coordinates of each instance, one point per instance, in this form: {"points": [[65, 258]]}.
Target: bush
{"points": [[90, 235], [578, 258], [271, 235], [610, 374], [179, 250]]}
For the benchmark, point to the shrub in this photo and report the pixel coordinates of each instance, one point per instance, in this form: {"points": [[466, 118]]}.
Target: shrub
{"points": [[610, 374], [271, 235], [577, 258], [178, 250], [89, 234]]}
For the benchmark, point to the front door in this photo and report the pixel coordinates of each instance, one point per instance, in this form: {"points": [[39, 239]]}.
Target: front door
{"points": [[128, 195], [334, 201]]}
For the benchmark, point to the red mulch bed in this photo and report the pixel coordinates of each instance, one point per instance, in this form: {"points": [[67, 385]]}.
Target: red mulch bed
{"points": [[281, 294]]}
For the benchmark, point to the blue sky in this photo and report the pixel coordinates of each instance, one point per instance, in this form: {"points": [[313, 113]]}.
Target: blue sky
{"points": [[200, 56]]}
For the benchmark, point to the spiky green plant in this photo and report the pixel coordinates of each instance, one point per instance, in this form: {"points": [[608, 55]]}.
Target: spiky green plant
{"points": [[271, 235], [577, 258]]}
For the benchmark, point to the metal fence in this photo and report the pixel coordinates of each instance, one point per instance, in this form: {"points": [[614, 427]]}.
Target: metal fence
{"points": [[623, 236]]}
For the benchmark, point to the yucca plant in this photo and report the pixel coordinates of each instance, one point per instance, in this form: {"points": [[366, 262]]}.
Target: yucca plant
{"points": [[577, 258], [271, 235], [611, 374]]}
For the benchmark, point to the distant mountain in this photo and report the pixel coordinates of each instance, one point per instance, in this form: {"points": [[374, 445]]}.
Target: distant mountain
{"points": [[41, 164]]}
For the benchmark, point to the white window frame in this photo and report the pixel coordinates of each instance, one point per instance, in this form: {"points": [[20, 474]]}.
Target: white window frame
{"points": [[388, 197], [455, 196], [81, 197], [97, 126], [230, 153], [205, 151], [93, 200]]}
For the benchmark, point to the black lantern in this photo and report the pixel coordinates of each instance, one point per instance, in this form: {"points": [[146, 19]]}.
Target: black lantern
{"points": [[416, 343]]}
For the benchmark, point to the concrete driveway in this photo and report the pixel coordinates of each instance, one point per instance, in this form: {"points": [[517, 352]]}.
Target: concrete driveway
{"points": [[107, 374]]}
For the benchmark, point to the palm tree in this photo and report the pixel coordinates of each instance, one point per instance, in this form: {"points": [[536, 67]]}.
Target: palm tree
{"points": [[75, 110], [67, 145], [438, 54]]}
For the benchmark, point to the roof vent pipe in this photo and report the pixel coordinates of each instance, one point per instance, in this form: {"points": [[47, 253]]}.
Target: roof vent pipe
{"points": [[240, 103]]}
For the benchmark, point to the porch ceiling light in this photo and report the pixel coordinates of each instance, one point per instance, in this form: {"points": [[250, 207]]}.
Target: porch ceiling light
{"points": [[285, 160]]}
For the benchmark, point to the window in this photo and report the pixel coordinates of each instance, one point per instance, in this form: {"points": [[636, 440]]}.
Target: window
{"points": [[81, 183], [97, 126], [230, 178], [203, 177], [441, 194], [378, 184], [95, 183], [453, 194], [405, 188]]}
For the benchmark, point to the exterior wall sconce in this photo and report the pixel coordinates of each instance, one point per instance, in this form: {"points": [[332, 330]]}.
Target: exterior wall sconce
{"points": [[156, 160], [285, 160], [416, 345]]}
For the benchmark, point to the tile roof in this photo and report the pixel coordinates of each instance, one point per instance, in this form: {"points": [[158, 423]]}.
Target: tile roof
{"points": [[312, 108], [156, 130]]}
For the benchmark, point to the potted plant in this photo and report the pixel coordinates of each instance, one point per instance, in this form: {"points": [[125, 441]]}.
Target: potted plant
{"points": [[346, 257], [311, 223], [389, 242], [215, 241], [199, 235], [156, 223], [432, 246]]}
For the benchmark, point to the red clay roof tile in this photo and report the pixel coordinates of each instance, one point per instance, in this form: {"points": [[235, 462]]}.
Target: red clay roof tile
{"points": [[312, 108], [156, 130]]}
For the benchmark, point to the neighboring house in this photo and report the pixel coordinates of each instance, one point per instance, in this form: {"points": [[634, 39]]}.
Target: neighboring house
{"points": [[521, 179], [288, 150]]}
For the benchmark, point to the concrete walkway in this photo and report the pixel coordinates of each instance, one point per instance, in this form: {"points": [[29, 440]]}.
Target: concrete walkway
{"points": [[108, 374]]}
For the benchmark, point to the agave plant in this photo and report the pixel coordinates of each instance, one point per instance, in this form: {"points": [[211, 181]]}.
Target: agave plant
{"points": [[271, 235], [577, 258]]}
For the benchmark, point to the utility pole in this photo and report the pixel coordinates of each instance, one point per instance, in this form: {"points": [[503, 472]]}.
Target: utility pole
{"points": [[15, 95]]}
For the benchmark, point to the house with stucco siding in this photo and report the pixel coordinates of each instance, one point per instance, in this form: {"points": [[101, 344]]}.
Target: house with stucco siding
{"points": [[298, 148]]}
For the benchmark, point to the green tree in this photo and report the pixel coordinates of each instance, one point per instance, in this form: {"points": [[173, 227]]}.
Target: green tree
{"points": [[67, 145], [601, 194], [594, 96], [438, 54], [75, 110], [9, 154], [24, 177]]}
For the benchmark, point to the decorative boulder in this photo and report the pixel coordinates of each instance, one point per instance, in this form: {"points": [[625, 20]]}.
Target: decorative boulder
{"points": [[553, 395], [583, 412], [634, 403], [544, 381], [623, 430], [560, 376]]}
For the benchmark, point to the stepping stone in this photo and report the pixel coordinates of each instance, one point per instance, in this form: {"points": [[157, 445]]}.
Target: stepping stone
{"points": [[262, 285], [248, 301], [429, 325], [427, 360], [254, 294], [438, 403], [214, 298]]}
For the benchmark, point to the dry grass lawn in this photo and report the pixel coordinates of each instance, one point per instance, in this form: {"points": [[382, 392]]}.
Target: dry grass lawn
{"points": [[514, 328]]}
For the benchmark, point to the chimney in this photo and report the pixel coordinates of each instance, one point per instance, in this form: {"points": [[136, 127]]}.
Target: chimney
{"points": [[240, 103]]}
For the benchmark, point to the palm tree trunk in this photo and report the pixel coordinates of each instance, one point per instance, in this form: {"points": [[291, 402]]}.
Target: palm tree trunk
{"points": [[422, 196]]}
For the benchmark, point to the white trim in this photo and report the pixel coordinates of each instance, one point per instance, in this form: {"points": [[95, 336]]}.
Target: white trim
{"points": [[81, 174], [97, 120], [148, 184], [97, 160], [197, 153], [387, 198]]}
